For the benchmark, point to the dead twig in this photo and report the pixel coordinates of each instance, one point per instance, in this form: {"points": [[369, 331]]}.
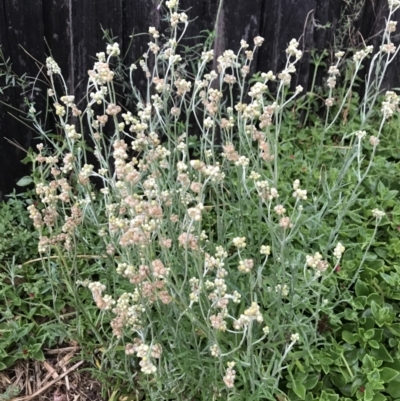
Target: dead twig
{"points": [[44, 388]]}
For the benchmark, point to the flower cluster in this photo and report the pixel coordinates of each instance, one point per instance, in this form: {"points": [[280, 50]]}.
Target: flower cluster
{"points": [[339, 250], [146, 353], [251, 314], [316, 262], [230, 374], [390, 104]]}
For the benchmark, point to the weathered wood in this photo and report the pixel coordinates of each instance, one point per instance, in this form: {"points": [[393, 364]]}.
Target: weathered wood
{"points": [[70, 30], [22, 28]]}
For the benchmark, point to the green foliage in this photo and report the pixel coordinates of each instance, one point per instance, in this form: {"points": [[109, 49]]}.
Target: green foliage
{"points": [[362, 361], [10, 393], [16, 229], [26, 324]]}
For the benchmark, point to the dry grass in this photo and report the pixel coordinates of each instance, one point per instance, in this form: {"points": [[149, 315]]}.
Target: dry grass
{"points": [[56, 379]]}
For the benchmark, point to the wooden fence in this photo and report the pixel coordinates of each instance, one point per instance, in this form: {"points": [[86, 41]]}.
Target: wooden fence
{"points": [[71, 30]]}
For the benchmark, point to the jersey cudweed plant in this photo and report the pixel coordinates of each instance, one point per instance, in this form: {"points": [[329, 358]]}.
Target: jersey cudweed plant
{"points": [[214, 260]]}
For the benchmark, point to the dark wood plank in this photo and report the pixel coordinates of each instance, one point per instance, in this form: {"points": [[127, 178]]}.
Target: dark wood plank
{"points": [[283, 20], [87, 37], [58, 36], [22, 26], [371, 23]]}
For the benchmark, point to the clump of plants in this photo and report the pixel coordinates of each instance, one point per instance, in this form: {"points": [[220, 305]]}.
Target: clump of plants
{"points": [[29, 318], [224, 265], [16, 229]]}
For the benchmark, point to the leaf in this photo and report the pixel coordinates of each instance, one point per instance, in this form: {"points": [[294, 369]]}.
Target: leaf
{"points": [[393, 389], [24, 181], [373, 344], [38, 355], [311, 381], [381, 188], [375, 309], [23, 331], [379, 397], [361, 301], [350, 338], [326, 361], [3, 366], [369, 334], [361, 288], [381, 354], [394, 328], [368, 362], [382, 253], [299, 389], [329, 396], [351, 357], [368, 394], [350, 314], [388, 374], [338, 380], [390, 279]]}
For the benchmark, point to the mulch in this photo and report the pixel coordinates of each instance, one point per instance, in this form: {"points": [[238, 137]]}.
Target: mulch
{"points": [[59, 378]]}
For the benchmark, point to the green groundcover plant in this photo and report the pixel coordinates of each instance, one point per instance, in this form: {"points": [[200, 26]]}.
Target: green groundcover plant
{"points": [[256, 260], [29, 317]]}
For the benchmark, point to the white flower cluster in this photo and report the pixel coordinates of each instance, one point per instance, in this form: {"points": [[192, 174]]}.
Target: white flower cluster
{"points": [[195, 287], [71, 132], [60, 109], [360, 134], [172, 4], [113, 50], [295, 337], [183, 86], [360, 55], [265, 250], [68, 100], [249, 315], [215, 351], [316, 262], [373, 140], [153, 32], [103, 302], [298, 192], [246, 265], [207, 56], [144, 352], [195, 212], [391, 104], [339, 250], [239, 242], [333, 72], [257, 90], [52, 66], [268, 76], [98, 96], [279, 210], [283, 290], [265, 192], [378, 213], [391, 26], [292, 49], [258, 41], [230, 374], [394, 3], [388, 48], [227, 60]]}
